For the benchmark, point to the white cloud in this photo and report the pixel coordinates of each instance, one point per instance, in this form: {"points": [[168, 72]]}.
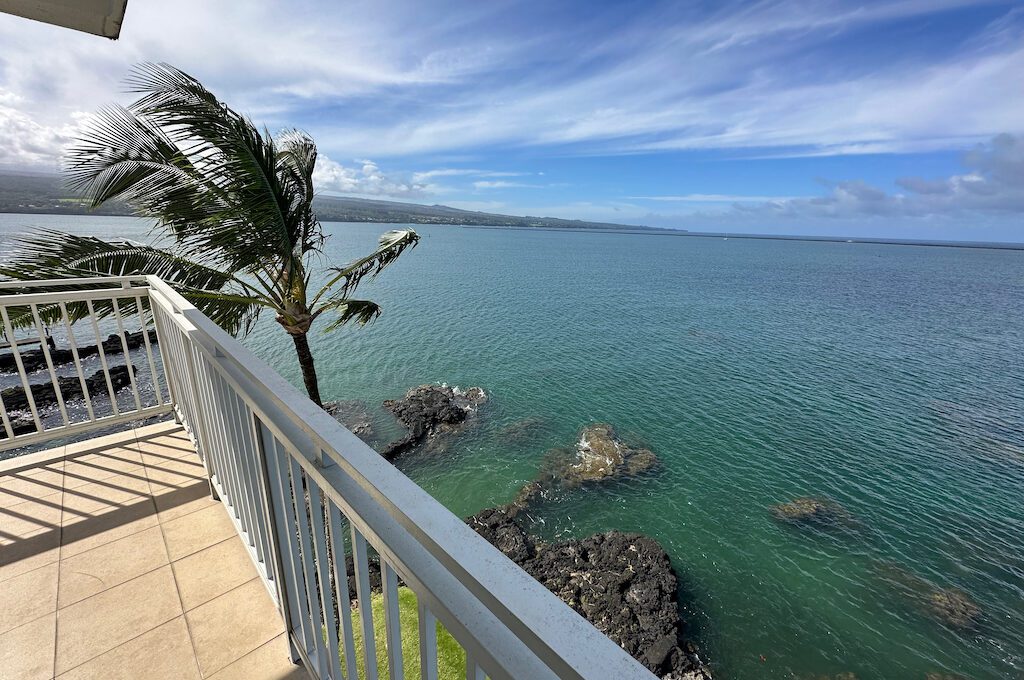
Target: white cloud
{"points": [[394, 77], [364, 179], [993, 185], [504, 184], [25, 142], [427, 175], [709, 198], [988, 195]]}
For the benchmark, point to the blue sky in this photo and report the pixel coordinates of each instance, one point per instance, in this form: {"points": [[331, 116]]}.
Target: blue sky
{"points": [[894, 119]]}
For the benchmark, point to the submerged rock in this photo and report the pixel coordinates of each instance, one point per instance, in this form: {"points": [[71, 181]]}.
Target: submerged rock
{"points": [[599, 455], [522, 429], [810, 510], [354, 415], [950, 606], [623, 583], [429, 410], [955, 608]]}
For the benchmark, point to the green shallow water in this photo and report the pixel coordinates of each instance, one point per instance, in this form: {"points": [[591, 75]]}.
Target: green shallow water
{"points": [[887, 378]]}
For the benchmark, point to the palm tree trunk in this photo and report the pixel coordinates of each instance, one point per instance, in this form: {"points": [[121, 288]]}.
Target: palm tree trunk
{"points": [[308, 369]]}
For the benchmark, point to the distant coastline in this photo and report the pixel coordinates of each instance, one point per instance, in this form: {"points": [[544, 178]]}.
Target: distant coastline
{"points": [[44, 194], [651, 231]]}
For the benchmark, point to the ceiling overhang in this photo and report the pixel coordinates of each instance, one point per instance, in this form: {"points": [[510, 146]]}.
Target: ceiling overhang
{"points": [[99, 17]]}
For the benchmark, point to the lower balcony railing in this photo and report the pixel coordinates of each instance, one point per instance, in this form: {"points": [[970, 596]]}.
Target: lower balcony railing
{"points": [[304, 492]]}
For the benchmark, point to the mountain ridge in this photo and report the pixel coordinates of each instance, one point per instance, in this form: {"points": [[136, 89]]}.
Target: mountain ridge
{"points": [[35, 193]]}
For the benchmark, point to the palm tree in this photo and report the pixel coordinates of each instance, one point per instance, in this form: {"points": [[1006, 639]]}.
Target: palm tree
{"points": [[233, 208]]}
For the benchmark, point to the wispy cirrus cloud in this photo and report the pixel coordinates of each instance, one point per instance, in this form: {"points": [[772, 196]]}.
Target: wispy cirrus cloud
{"points": [[709, 198], [505, 184], [395, 78]]}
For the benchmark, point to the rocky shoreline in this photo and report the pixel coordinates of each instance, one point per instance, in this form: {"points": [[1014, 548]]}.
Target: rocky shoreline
{"points": [[430, 410], [622, 583], [43, 393], [35, 359]]}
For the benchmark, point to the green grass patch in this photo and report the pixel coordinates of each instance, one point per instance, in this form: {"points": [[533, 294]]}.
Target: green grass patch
{"points": [[451, 657]]}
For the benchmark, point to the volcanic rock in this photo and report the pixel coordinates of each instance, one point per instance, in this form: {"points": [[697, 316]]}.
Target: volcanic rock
{"points": [[354, 415], [949, 606], [599, 456], [810, 510], [43, 393], [429, 410], [623, 583], [35, 359]]}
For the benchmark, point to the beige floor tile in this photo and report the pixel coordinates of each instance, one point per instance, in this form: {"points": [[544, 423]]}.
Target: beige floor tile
{"points": [[198, 530], [79, 470], [184, 501], [20, 556], [26, 653], [30, 518], [111, 564], [229, 627], [100, 444], [27, 484], [167, 426], [16, 496], [104, 621], [214, 571], [92, 531], [38, 459], [104, 496], [269, 662], [168, 447], [175, 473], [164, 653], [28, 596]]}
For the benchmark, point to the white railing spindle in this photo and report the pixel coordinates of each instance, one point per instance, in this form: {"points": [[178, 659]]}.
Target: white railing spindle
{"points": [[73, 344], [9, 331], [45, 347]]}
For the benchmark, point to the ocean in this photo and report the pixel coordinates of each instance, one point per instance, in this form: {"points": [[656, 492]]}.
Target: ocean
{"points": [[888, 379]]}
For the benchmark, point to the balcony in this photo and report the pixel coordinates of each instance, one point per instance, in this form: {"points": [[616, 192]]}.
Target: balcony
{"points": [[116, 562], [217, 544]]}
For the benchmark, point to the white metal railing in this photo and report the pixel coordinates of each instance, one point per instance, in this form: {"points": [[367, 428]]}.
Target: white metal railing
{"points": [[305, 493], [76, 378]]}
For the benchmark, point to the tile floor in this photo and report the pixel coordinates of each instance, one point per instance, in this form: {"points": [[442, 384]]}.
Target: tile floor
{"points": [[115, 563]]}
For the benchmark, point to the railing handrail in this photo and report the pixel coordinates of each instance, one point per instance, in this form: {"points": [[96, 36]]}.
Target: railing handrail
{"points": [[45, 283], [52, 296], [559, 637], [40, 311]]}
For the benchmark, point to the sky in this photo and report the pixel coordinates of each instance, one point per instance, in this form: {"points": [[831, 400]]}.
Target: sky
{"points": [[900, 119]]}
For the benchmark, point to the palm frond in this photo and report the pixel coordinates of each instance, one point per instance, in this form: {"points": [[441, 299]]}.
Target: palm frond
{"points": [[389, 247], [296, 162], [231, 155], [51, 254], [360, 311]]}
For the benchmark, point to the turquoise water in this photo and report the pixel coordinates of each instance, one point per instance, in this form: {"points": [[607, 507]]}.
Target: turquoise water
{"points": [[887, 378]]}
